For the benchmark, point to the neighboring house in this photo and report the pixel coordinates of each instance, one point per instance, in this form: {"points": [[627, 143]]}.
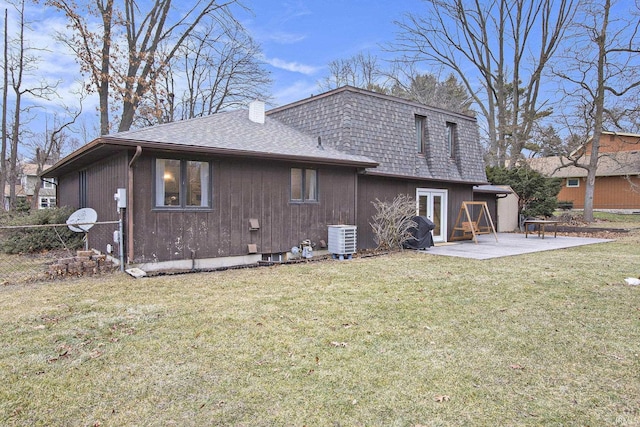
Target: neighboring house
{"points": [[428, 153], [19, 195], [238, 187], [47, 191], [617, 186], [29, 180]]}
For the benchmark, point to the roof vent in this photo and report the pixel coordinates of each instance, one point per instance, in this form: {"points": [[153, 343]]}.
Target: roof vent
{"points": [[256, 111]]}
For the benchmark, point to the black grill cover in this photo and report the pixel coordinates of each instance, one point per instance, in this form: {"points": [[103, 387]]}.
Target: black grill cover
{"points": [[421, 233]]}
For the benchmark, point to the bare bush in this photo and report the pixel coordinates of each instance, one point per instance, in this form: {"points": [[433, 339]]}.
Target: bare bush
{"points": [[393, 222]]}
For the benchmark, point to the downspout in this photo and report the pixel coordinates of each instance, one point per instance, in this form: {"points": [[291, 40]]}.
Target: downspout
{"points": [[355, 196], [130, 204]]}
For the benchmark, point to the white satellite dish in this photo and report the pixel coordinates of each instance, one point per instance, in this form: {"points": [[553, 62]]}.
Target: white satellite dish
{"points": [[82, 220]]}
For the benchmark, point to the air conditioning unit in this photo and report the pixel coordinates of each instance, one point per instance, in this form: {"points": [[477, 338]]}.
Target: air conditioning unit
{"points": [[342, 240]]}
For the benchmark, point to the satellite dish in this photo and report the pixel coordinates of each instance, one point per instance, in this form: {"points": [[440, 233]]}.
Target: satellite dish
{"points": [[82, 220]]}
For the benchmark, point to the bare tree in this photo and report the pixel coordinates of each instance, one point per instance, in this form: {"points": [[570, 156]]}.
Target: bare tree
{"points": [[399, 79], [5, 90], [216, 69], [49, 146], [362, 70], [490, 46], [20, 63], [122, 56], [602, 81]]}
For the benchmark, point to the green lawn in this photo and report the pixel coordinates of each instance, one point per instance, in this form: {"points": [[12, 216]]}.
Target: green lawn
{"points": [[546, 339]]}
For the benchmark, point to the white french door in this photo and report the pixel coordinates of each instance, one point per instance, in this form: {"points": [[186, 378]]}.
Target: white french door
{"points": [[432, 203]]}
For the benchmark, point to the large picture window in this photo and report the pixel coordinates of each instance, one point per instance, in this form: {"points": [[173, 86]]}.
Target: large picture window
{"points": [[304, 185], [182, 183]]}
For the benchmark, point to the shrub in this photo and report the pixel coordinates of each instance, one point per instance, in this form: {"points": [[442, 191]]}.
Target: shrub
{"points": [[565, 205], [30, 240], [393, 222], [537, 193]]}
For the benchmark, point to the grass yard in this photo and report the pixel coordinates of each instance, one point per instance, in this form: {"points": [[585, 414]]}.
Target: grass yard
{"points": [[605, 219], [546, 339], [23, 268]]}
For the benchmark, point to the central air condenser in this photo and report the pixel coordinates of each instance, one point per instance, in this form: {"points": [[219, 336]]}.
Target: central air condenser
{"points": [[342, 240]]}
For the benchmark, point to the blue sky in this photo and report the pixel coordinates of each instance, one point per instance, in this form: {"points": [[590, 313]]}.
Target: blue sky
{"points": [[300, 38]]}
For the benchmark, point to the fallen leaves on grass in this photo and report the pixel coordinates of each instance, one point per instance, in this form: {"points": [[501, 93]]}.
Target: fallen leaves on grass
{"points": [[63, 352]]}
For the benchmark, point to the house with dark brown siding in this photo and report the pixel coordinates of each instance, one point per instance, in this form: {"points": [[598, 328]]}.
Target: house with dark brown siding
{"points": [[243, 186], [430, 154], [227, 189]]}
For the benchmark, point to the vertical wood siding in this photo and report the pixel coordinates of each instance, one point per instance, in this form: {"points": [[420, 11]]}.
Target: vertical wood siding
{"points": [[371, 188], [68, 190], [103, 179], [242, 189]]}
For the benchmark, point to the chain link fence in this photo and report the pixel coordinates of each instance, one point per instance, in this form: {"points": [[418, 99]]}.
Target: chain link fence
{"points": [[36, 253]]}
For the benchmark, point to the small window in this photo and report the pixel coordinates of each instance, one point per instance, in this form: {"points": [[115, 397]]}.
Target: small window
{"points": [[304, 185], [420, 133], [573, 182], [451, 139], [182, 183], [47, 202], [48, 183]]}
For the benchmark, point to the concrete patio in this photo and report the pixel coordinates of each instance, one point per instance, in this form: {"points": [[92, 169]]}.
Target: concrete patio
{"points": [[508, 244]]}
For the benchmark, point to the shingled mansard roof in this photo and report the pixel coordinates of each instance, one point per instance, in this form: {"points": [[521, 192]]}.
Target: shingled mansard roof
{"points": [[611, 164], [227, 133], [382, 127]]}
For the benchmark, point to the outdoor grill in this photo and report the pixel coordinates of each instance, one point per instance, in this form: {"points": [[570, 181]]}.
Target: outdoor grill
{"points": [[422, 238]]}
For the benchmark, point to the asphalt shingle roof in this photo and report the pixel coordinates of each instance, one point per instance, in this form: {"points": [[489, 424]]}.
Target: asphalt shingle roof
{"points": [[610, 164], [383, 128], [234, 132]]}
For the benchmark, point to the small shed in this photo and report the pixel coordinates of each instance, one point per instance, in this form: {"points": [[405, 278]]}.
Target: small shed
{"points": [[502, 202]]}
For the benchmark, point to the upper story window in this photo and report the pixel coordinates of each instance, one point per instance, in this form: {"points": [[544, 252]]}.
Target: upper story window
{"points": [[421, 133], [304, 185], [48, 183], [451, 139], [182, 184], [573, 182]]}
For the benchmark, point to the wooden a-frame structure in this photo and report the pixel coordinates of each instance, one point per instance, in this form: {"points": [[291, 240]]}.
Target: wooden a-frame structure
{"points": [[469, 227]]}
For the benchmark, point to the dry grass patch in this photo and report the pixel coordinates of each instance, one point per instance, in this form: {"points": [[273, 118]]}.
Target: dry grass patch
{"points": [[406, 339]]}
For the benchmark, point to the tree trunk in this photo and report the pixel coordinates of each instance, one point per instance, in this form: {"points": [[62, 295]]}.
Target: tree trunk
{"points": [[15, 133], [5, 87], [601, 41], [102, 82]]}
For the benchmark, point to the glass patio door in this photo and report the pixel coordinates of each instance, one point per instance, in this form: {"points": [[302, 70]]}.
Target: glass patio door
{"points": [[432, 203]]}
